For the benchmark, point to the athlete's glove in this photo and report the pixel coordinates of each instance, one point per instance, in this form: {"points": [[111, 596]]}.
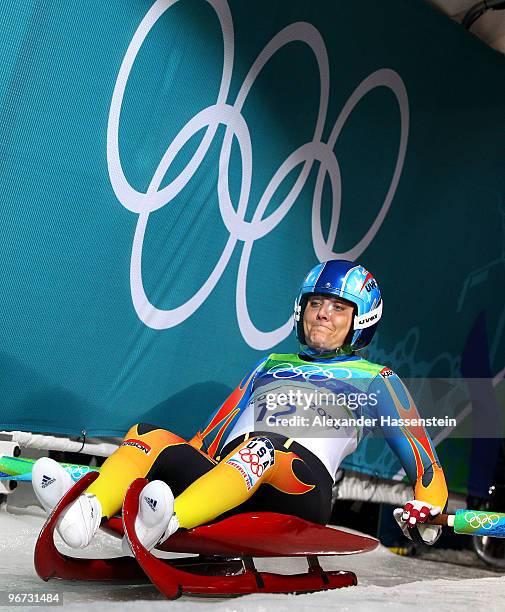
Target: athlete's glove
{"points": [[412, 521]]}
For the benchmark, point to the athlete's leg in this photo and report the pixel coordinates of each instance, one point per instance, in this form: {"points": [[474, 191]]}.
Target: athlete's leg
{"points": [[300, 485], [235, 483], [175, 468], [228, 484], [141, 447]]}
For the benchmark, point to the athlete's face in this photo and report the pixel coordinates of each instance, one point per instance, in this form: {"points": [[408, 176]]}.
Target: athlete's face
{"points": [[326, 322]]}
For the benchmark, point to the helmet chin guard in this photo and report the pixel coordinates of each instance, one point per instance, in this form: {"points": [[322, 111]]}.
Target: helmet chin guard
{"points": [[351, 282]]}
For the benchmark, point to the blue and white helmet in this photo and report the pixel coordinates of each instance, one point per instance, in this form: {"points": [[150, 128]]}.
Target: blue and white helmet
{"points": [[350, 281]]}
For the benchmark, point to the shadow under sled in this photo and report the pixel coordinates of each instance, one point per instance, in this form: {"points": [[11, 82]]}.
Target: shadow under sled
{"points": [[224, 565]]}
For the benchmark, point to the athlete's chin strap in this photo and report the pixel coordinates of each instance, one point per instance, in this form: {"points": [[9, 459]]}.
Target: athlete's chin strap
{"points": [[313, 353]]}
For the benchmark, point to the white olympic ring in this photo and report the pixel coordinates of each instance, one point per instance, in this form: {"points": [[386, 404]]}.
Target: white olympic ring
{"points": [[478, 521], [287, 370], [229, 115]]}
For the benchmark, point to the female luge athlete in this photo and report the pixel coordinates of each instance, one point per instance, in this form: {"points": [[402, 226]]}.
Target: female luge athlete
{"points": [[235, 464]]}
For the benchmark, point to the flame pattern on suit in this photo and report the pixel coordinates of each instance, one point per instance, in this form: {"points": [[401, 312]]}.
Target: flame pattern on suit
{"points": [[421, 464], [210, 437], [411, 444]]}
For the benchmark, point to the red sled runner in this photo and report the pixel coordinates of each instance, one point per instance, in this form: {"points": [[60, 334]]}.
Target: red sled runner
{"points": [[224, 566]]}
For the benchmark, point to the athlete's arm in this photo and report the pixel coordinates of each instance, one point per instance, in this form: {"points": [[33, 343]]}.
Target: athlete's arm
{"points": [[411, 443], [213, 433]]}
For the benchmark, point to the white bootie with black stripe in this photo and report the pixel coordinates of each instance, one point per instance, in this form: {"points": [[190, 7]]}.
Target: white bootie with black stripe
{"points": [[80, 521], [50, 482], [155, 520]]}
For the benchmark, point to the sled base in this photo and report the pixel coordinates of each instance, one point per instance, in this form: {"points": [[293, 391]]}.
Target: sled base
{"points": [[224, 567]]}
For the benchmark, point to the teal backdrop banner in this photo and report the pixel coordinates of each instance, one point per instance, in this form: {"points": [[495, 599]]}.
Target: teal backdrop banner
{"points": [[170, 171]]}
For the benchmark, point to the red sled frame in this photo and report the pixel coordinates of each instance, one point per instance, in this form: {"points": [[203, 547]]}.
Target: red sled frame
{"points": [[224, 566]]}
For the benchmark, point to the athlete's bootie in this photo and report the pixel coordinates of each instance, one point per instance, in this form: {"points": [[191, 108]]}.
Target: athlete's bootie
{"points": [[155, 520], [80, 521], [50, 482]]}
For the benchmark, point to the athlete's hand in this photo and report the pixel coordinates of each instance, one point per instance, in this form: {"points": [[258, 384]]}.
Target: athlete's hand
{"points": [[412, 520]]}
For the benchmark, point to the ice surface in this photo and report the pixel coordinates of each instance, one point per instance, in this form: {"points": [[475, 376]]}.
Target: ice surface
{"points": [[386, 581]]}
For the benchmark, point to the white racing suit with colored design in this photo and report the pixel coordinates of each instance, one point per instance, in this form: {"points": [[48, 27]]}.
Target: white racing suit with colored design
{"points": [[348, 392], [277, 441]]}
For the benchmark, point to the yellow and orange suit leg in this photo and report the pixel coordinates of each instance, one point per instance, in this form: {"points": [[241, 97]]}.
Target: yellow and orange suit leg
{"points": [[296, 482], [258, 474], [147, 451]]}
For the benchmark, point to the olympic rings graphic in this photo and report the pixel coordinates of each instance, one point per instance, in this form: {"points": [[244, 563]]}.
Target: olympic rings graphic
{"points": [[248, 456], [287, 370], [481, 521], [78, 472], [222, 112]]}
